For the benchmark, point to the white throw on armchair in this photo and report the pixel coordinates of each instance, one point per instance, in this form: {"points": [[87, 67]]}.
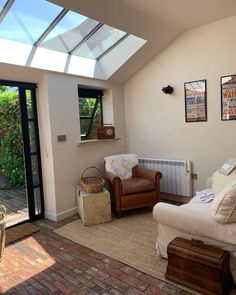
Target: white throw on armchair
{"points": [[214, 223]]}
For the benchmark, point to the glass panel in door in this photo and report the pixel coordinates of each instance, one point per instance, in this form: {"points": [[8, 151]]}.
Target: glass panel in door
{"points": [[13, 192], [35, 177]]}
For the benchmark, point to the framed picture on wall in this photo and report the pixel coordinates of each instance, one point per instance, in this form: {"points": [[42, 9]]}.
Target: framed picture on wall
{"points": [[228, 98], [195, 101]]}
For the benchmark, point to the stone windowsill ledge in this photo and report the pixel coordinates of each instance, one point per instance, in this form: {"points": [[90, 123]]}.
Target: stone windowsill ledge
{"points": [[97, 140]]}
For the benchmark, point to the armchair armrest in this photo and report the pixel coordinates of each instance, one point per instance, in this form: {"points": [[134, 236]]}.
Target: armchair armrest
{"points": [[112, 177], [194, 222], [149, 174]]}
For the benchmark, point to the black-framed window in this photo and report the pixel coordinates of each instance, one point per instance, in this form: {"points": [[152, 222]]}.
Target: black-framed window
{"points": [[90, 112]]}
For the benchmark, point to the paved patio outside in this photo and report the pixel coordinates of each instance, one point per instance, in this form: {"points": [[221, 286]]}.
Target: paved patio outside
{"points": [[15, 200]]}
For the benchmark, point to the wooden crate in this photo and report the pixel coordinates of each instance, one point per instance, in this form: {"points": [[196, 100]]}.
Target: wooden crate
{"points": [[198, 266], [93, 208]]}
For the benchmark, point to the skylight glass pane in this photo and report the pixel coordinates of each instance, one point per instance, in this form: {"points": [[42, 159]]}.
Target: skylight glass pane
{"points": [[69, 32], [99, 42], [27, 20], [2, 3]]}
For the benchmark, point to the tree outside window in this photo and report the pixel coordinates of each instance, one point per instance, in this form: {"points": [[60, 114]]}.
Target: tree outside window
{"points": [[90, 110]]}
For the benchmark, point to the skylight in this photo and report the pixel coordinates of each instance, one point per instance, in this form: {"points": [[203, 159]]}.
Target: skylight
{"points": [[69, 32], [102, 40], [42, 35], [2, 2], [25, 23], [50, 26]]}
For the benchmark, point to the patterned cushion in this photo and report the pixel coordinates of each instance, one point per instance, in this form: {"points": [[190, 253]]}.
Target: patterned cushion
{"points": [[136, 185], [223, 207]]}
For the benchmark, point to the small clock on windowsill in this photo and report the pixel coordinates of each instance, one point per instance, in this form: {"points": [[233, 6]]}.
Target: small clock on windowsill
{"points": [[106, 132]]}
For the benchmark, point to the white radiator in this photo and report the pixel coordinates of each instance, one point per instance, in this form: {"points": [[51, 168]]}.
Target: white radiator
{"points": [[176, 175]]}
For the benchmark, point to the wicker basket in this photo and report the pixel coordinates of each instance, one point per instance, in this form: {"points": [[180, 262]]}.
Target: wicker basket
{"points": [[2, 229], [92, 184]]}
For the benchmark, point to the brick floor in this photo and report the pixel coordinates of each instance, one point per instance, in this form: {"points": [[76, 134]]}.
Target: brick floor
{"points": [[15, 201], [46, 263]]}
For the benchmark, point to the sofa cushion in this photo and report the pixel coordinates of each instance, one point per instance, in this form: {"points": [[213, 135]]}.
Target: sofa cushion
{"points": [[197, 205], [220, 181], [136, 185], [223, 207]]}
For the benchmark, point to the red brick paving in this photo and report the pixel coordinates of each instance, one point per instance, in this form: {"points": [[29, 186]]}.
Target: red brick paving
{"points": [[46, 263]]}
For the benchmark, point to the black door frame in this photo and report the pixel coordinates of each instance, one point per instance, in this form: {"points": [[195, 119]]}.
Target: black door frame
{"points": [[23, 87]]}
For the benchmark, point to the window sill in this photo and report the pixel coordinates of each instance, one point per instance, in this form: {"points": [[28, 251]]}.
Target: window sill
{"points": [[97, 140]]}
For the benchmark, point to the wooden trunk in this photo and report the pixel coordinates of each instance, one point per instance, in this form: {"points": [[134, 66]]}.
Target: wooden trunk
{"points": [[198, 266]]}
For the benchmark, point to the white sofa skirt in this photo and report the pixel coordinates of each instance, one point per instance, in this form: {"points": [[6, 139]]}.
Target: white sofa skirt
{"points": [[193, 220]]}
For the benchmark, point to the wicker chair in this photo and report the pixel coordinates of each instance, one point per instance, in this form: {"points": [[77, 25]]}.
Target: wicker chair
{"points": [[139, 188]]}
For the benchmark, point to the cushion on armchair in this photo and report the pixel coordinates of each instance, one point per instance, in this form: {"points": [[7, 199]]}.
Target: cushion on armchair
{"points": [[223, 207], [136, 185]]}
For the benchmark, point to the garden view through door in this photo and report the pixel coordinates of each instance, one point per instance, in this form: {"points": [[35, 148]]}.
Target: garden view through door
{"points": [[20, 166]]}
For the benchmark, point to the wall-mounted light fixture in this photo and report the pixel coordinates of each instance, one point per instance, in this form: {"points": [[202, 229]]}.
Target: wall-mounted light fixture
{"points": [[168, 89]]}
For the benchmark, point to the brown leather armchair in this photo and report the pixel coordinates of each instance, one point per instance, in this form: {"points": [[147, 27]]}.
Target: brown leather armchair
{"points": [[142, 190]]}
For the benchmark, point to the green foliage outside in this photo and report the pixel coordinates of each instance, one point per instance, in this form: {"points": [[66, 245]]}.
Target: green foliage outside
{"points": [[11, 144], [86, 107]]}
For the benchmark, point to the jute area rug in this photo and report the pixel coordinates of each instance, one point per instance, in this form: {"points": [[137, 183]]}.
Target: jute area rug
{"points": [[130, 239], [20, 231]]}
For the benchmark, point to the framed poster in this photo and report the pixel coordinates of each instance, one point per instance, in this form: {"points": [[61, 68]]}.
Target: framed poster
{"points": [[228, 98], [195, 101]]}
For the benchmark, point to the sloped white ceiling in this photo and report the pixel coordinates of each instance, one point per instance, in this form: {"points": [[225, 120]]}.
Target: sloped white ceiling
{"points": [[157, 21]]}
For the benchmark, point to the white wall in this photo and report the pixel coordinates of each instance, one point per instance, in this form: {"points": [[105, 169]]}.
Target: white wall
{"points": [[155, 122], [63, 162], [21, 74], [45, 130], [69, 157]]}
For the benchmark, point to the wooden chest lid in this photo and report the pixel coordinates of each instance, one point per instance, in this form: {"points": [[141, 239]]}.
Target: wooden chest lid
{"points": [[197, 247]]}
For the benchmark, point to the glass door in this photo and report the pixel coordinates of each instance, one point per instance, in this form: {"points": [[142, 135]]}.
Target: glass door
{"points": [[29, 160], [31, 151]]}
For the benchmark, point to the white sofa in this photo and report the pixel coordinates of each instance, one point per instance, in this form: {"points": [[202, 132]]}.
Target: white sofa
{"points": [[195, 220]]}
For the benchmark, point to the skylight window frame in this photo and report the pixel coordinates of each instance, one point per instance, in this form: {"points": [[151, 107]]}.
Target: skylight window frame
{"points": [[112, 46], [91, 34], [87, 37], [7, 6], [57, 19], [19, 16]]}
